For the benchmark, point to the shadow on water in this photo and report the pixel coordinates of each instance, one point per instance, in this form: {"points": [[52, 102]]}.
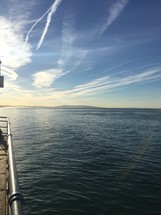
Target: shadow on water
{"points": [[3, 143]]}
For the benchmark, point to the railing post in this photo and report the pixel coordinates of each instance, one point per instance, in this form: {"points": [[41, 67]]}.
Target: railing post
{"points": [[15, 197]]}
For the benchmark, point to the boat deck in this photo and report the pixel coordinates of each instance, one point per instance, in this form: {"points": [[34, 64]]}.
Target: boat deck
{"points": [[3, 176]]}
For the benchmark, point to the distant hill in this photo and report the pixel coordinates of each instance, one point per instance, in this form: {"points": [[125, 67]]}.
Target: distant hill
{"points": [[76, 107], [56, 107]]}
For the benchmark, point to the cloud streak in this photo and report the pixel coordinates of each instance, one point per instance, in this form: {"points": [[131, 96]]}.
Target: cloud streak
{"points": [[114, 12], [108, 83], [11, 74], [50, 14], [68, 38], [69, 52]]}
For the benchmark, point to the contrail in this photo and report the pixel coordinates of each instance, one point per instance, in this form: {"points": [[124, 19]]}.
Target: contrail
{"points": [[52, 11], [114, 12], [27, 36], [121, 64]]}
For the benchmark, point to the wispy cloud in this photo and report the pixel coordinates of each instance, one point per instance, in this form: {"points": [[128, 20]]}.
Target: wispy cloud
{"points": [[109, 83], [19, 10], [11, 86], [114, 11], [17, 95], [50, 14], [71, 56], [10, 73], [104, 84], [11, 43], [100, 85], [68, 38], [46, 78]]}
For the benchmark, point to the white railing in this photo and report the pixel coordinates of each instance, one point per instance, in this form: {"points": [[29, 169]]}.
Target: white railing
{"points": [[15, 198]]}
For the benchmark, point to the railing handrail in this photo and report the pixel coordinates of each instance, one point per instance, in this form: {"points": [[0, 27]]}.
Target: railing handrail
{"points": [[15, 199]]}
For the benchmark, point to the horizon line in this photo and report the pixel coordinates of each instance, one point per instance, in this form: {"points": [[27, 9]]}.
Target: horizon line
{"points": [[75, 107]]}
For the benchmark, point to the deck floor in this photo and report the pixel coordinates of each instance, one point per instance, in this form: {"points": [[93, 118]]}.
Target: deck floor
{"points": [[3, 178]]}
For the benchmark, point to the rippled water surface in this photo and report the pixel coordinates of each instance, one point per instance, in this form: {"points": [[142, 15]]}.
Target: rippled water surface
{"points": [[83, 162]]}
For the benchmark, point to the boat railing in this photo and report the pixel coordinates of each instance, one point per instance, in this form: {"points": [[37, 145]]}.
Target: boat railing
{"points": [[15, 198]]}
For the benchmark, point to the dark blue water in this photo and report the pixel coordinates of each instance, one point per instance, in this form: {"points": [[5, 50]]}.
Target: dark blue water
{"points": [[83, 162]]}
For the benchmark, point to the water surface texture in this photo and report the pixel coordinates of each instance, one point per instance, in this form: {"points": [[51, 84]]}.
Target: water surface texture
{"points": [[83, 162]]}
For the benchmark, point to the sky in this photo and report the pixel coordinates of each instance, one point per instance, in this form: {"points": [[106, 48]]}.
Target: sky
{"points": [[104, 53]]}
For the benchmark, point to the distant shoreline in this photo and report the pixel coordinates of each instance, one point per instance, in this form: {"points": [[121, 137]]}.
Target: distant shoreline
{"points": [[77, 107]]}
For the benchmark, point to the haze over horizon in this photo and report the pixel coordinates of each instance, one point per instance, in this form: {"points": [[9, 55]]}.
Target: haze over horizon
{"points": [[99, 53]]}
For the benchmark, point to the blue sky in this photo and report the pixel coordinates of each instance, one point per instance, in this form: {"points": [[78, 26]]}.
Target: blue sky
{"points": [[81, 52]]}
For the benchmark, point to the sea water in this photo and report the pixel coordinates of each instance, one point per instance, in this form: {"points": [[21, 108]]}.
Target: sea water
{"points": [[88, 161]]}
